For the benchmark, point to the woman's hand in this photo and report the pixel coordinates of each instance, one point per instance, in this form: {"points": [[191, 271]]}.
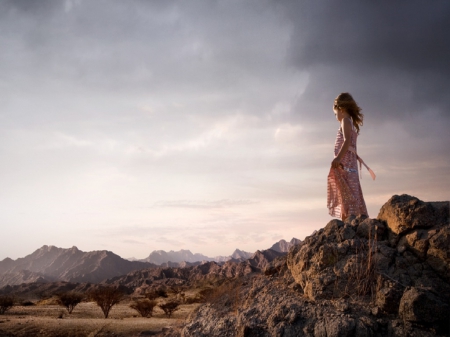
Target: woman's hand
{"points": [[336, 163]]}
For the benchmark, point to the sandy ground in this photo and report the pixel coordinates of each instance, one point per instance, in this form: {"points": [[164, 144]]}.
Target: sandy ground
{"points": [[87, 320]]}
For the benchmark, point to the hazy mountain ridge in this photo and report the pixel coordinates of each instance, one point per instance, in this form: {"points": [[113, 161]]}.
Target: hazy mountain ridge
{"points": [[138, 281], [283, 246], [50, 264], [161, 257], [53, 263]]}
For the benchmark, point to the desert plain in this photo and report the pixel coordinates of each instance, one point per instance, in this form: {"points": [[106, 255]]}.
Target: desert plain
{"points": [[87, 319]]}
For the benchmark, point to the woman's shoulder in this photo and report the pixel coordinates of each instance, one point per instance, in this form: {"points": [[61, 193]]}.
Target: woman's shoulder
{"points": [[347, 121]]}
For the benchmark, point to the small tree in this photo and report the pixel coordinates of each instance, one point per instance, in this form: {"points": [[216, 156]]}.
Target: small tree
{"points": [[144, 307], [106, 298], [178, 291], [155, 293], [70, 300], [170, 307], [6, 303]]}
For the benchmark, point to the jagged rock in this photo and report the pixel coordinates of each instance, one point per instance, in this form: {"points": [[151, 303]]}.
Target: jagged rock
{"points": [[334, 262], [421, 306], [388, 299], [330, 262], [370, 228], [403, 213], [353, 276], [261, 259], [335, 327], [438, 253], [277, 265]]}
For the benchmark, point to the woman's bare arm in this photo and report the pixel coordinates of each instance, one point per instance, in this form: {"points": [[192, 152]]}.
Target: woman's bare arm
{"points": [[346, 127]]}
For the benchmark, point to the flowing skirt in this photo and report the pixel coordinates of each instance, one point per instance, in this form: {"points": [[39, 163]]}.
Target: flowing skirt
{"points": [[344, 195]]}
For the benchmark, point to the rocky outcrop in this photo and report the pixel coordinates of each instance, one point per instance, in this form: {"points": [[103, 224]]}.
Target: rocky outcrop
{"points": [[387, 276], [140, 280]]}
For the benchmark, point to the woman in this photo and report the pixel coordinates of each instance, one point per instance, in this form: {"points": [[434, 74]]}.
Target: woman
{"points": [[345, 196]]}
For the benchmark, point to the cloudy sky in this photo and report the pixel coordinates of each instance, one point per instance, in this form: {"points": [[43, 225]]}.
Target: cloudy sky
{"points": [[207, 125]]}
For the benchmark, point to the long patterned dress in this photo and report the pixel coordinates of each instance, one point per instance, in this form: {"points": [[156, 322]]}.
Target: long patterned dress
{"points": [[344, 190]]}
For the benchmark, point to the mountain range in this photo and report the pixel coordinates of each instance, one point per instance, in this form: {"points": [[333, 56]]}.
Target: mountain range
{"points": [[163, 258], [50, 263]]}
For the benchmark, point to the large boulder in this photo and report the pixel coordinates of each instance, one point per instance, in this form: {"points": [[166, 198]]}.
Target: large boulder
{"points": [[407, 245], [422, 306], [402, 213], [338, 260], [438, 253]]}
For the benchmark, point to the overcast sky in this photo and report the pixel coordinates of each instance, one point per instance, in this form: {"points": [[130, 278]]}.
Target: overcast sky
{"points": [[133, 126]]}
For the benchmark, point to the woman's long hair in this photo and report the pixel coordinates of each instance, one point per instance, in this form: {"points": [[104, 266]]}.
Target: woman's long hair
{"points": [[346, 101]]}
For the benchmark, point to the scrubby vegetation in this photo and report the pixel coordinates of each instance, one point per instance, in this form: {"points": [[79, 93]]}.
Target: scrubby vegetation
{"points": [[155, 293], [6, 303], [170, 307], [106, 298], [69, 300], [144, 307]]}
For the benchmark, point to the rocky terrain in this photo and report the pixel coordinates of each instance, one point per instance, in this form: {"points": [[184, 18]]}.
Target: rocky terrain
{"points": [[139, 281], [53, 264], [388, 276]]}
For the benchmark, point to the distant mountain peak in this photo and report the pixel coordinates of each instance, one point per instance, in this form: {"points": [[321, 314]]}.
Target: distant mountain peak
{"points": [[283, 246], [160, 257], [71, 264]]}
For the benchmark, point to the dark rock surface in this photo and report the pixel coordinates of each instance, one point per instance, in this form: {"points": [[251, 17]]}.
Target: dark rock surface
{"points": [[387, 276]]}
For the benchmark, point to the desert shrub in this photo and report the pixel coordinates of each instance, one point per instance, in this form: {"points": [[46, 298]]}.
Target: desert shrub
{"points": [[155, 293], [144, 307], [106, 298], [170, 307], [196, 299], [70, 300], [176, 289], [6, 303], [27, 303], [48, 301], [179, 292], [205, 294]]}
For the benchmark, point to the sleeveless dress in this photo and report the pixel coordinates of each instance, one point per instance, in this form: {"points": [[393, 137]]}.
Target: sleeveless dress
{"points": [[344, 190]]}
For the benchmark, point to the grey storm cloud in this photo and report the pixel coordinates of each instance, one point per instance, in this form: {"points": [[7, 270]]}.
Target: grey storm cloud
{"points": [[392, 55], [144, 46]]}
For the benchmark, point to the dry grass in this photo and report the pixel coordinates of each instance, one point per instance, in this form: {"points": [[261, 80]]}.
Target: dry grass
{"points": [[86, 320], [363, 278]]}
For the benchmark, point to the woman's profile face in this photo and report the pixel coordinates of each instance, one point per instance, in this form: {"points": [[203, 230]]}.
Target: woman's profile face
{"points": [[338, 112]]}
